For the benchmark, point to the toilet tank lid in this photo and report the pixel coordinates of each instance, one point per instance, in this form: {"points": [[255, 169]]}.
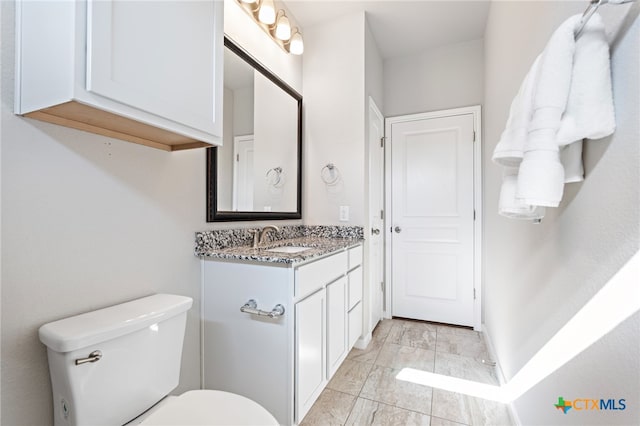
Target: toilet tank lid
{"points": [[105, 324]]}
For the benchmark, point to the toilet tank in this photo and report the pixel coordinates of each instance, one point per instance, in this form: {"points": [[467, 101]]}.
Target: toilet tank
{"points": [[141, 347]]}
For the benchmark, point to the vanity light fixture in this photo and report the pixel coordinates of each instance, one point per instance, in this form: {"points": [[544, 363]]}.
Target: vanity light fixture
{"points": [[275, 23], [283, 27], [254, 5], [295, 44], [267, 13]]}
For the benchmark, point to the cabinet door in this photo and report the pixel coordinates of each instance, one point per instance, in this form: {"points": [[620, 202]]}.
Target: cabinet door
{"points": [[309, 351], [336, 325], [161, 57], [355, 324], [355, 287]]}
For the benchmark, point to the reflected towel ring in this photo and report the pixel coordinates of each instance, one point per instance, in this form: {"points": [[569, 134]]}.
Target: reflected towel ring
{"points": [[330, 174], [274, 177]]}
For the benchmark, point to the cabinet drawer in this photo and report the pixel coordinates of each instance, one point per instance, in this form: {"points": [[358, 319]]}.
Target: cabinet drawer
{"points": [[355, 286], [355, 256], [314, 275], [355, 324]]}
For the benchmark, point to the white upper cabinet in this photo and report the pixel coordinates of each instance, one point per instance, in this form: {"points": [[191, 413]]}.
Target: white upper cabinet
{"points": [[146, 72]]}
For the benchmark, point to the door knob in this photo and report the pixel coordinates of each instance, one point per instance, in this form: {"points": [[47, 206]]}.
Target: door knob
{"points": [[375, 231], [397, 229]]}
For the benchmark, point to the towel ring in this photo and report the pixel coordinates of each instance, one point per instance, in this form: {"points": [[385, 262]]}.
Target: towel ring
{"points": [[274, 177], [330, 174]]}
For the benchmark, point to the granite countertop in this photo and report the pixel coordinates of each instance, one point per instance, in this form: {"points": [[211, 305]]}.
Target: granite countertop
{"points": [[235, 243], [319, 246]]}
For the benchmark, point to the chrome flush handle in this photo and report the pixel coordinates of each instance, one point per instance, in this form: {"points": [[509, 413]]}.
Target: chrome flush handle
{"points": [[93, 357]]}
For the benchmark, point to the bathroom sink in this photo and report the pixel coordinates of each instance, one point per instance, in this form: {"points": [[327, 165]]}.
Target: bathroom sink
{"points": [[288, 249]]}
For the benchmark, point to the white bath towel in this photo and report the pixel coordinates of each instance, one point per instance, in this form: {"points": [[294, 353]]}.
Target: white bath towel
{"points": [[508, 205], [565, 97], [572, 101], [510, 148]]}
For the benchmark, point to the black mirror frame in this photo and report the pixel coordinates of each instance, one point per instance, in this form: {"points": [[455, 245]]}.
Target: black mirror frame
{"points": [[213, 215]]}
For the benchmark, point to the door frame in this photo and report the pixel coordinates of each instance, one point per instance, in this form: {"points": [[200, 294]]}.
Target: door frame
{"points": [[477, 201]]}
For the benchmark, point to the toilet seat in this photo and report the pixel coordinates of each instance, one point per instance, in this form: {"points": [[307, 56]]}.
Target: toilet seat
{"points": [[210, 407]]}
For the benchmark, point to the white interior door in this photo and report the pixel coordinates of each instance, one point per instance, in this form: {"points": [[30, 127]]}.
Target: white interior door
{"points": [[243, 173], [433, 218], [375, 235]]}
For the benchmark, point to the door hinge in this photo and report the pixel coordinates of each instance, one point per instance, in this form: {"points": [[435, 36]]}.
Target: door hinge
{"points": [[382, 214], [382, 286], [382, 141], [474, 135], [474, 215], [237, 157], [474, 294]]}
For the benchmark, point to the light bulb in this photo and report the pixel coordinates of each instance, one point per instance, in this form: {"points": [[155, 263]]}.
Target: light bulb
{"points": [[296, 45], [283, 29], [249, 1], [267, 14]]}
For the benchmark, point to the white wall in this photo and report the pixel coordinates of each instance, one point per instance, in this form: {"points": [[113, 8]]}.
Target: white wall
{"points": [[373, 69], [446, 77], [89, 222], [538, 277], [334, 122], [243, 107]]}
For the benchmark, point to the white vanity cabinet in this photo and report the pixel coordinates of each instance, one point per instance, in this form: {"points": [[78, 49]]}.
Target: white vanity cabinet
{"points": [[144, 72], [283, 363]]}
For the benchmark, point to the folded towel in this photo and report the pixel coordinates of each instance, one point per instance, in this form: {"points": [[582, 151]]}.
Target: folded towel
{"points": [[565, 98], [590, 112], [541, 175], [510, 148], [508, 205]]}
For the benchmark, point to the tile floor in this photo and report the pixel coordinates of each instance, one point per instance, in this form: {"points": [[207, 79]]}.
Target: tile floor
{"points": [[364, 390]]}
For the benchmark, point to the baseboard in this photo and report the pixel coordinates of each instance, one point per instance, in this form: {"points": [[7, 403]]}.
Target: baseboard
{"points": [[501, 378], [363, 341], [492, 353]]}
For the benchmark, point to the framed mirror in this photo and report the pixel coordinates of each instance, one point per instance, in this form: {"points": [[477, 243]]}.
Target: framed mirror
{"points": [[257, 173]]}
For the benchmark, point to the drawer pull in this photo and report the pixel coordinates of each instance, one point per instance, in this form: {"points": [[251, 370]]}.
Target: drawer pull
{"points": [[251, 307]]}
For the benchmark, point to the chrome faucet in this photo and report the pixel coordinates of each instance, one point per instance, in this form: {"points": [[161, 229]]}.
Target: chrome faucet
{"points": [[259, 236]]}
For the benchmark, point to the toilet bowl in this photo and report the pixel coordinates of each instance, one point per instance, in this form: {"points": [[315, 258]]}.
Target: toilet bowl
{"points": [[120, 363], [206, 407]]}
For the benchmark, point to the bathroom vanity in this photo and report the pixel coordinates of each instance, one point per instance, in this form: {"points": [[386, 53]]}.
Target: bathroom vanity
{"points": [[302, 299]]}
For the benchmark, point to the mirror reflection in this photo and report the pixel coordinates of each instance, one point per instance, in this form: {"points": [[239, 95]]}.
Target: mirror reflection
{"points": [[258, 166]]}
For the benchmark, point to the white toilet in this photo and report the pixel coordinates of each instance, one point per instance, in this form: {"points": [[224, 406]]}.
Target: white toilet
{"points": [[117, 365]]}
